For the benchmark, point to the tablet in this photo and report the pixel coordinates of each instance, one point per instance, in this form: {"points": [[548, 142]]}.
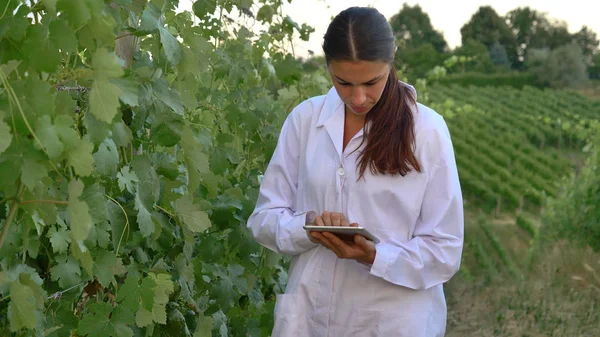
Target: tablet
{"points": [[344, 232]]}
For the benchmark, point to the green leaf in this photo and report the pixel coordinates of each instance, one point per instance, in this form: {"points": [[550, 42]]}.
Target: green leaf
{"points": [[67, 272], [144, 218], [40, 50], [21, 310], [93, 195], [204, 327], [106, 159], [196, 160], [103, 321], [150, 18], [132, 294], [5, 136], [81, 159], [32, 172], [164, 287], [121, 134], [172, 47], [76, 12], [48, 135], [130, 90], [148, 187], [84, 257], [27, 298], [59, 239], [127, 180], [106, 65], [106, 266], [104, 100], [50, 6], [194, 219], [204, 8], [63, 37], [63, 125], [80, 219]]}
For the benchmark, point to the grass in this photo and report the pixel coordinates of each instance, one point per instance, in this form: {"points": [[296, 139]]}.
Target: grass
{"points": [[558, 293]]}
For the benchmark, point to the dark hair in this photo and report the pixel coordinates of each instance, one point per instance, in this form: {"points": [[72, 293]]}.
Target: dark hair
{"points": [[363, 34]]}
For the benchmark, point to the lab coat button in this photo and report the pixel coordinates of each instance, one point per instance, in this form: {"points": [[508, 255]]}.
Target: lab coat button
{"points": [[341, 171]]}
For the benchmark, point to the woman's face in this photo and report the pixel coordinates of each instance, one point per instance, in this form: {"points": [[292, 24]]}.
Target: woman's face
{"points": [[359, 83]]}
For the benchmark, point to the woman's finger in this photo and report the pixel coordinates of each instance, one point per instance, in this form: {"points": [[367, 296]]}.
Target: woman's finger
{"points": [[336, 219]]}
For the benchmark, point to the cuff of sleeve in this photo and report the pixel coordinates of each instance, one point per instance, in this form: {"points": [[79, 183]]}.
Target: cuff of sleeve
{"points": [[383, 260], [298, 235]]}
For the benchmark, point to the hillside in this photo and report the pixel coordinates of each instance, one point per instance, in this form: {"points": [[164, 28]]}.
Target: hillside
{"points": [[513, 148]]}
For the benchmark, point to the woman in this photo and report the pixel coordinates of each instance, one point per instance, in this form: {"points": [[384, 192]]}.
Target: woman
{"points": [[364, 154]]}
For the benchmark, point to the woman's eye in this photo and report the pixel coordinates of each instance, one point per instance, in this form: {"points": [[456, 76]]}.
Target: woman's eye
{"points": [[344, 84], [369, 84]]}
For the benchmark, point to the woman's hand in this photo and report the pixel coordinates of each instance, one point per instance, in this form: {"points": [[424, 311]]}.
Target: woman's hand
{"points": [[361, 249]]}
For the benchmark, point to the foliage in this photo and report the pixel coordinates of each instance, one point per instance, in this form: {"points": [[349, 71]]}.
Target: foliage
{"points": [[594, 69], [574, 213], [487, 27], [413, 29], [498, 54], [562, 67], [132, 137]]}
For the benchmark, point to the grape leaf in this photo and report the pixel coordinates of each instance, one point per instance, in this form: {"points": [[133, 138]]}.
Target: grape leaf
{"points": [[50, 6], [32, 172], [83, 256], [164, 287], [132, 294], [106, 266], [40, 50], [27, 297], [204, 327], [21, 310], [67, 272], [81, 221], [106, 65], [81, 158], [102, 320], [106, 159], [148, 187], [130, 90], [171, 45], [59, 239], [77, 12], [121, 134], [104, 100], [194, 219], [5, 136], [127, 179], [63, 125], [144, 217], [62, 36], [48, 135]]}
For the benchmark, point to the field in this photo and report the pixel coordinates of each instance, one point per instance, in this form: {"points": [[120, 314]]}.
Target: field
{"points": [[513, 148], [132, 142]]}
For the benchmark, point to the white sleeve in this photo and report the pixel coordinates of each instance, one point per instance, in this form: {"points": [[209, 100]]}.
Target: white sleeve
{"points": [[275, 223], [433, 255]]}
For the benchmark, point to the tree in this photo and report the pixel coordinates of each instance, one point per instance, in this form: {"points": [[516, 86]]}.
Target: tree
{"points": [[487, 27], [561, 67], [480, 54], [498, 54], [413, 28], [530, 28], [419, 60], [588, 40], [594, 69]]}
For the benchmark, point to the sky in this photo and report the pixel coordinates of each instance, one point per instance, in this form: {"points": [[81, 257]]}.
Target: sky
{"points": [[446, 16]]}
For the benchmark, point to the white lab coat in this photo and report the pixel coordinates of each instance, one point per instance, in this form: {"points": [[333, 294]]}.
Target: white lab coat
{"points": [[418, 218]]}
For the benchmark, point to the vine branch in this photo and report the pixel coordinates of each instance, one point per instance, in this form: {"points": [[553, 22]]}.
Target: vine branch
{"points": [[11, 214]]}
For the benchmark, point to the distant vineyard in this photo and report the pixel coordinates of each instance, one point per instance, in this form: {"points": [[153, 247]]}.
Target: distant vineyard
{"points": [[510, 144]]}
